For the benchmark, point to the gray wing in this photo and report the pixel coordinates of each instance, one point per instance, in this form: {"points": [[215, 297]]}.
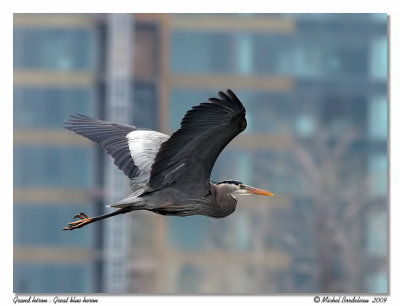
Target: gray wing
{"points": [[188, 157], [133, 149]]}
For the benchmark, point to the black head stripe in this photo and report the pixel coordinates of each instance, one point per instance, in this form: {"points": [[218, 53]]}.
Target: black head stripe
{"points": [[233, 182]]}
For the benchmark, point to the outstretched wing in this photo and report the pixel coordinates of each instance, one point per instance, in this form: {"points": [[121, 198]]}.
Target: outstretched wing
{"points": [[188, 157], [133, 149]]}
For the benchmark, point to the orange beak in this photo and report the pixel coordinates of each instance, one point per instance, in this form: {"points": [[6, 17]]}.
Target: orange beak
{"points": [[253, 190]]}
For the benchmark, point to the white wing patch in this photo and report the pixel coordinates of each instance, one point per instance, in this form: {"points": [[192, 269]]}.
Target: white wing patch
{"points": [[144, 146]]}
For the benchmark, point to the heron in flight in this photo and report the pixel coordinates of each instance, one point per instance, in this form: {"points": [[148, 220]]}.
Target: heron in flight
{"points": [[171, 175]]}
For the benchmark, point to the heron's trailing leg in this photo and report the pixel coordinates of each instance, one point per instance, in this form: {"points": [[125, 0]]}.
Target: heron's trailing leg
{"points": [[85, 220]]}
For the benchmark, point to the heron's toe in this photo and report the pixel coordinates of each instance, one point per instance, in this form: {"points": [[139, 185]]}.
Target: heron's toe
{"points": [[84, 219], [81, 216]]}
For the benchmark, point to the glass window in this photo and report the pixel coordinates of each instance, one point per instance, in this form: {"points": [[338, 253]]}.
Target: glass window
{"points": [[377, 283], [377, 233], [377, 165], [341, 112], [272, 54], [305, 125], [54, 49], [145, 106], [52, 278], [304, 55], [378, 58], [46, 166], [145, 51], [241, 53], [201, 52], [36, 225], [379, 17], [245, 47], [377, 117], [50, 107]]}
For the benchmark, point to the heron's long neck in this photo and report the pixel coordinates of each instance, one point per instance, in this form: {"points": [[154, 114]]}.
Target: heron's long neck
{"points": [[225, 202]]}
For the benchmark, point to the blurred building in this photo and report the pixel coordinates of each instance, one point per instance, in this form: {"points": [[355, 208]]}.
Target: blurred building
{"points": [[61, 67], [55, 73], [298, 74]]}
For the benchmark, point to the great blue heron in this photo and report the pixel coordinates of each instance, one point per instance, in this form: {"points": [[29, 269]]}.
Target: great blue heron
{"points": [[171, 175]]}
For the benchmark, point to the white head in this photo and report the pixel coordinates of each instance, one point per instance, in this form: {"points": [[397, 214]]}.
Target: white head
{"points": [[233, 187]]}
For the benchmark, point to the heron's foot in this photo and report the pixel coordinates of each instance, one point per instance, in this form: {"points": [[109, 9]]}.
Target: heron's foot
{"points": [[83, 220]]}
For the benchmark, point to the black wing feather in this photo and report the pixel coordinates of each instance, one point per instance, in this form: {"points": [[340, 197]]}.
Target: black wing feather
{"points": [[189, 155], [111, 136]]}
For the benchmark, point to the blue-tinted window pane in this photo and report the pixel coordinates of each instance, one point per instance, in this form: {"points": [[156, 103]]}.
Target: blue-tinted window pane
{"points": [[377, 283], [41, 225], [305, 55], [379, 17], [49, 107], [64, 167], [377, 118], [377, 166], [201, 52], [54, 49], [145, 106], [305, 125], [341, 112], [52, 278], [302, 55], [245, 46], [376, 242], [378, 58]]}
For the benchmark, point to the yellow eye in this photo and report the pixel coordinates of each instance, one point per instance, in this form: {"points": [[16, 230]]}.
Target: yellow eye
{"points": [[241, 186]]}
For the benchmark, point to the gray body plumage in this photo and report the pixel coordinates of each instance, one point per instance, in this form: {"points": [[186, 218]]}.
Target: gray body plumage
{"points": [[171, 175], [171, 201]]}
